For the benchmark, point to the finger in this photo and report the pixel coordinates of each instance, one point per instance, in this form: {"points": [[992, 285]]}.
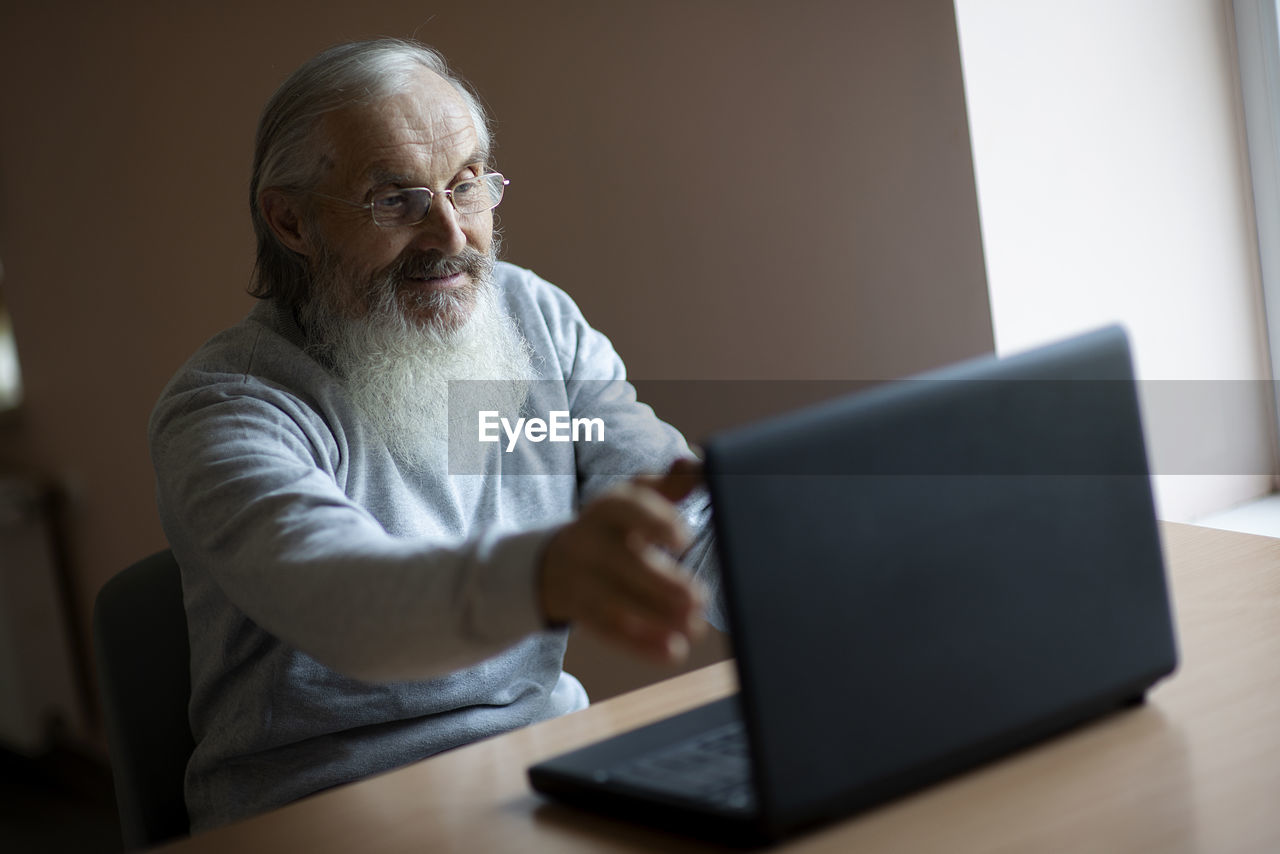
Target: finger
{"points": [[684, 476], [648, 579], [593, 552], [631, 509], [588, 567], [634, 574], [606, 541], [593, 580], [634, 632]]}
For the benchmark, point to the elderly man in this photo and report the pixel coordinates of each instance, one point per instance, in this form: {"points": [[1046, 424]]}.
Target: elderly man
{"points": [[362, 589]]}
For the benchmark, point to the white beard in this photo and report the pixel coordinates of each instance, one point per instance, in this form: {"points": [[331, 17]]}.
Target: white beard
{"points": [[398, 370]]}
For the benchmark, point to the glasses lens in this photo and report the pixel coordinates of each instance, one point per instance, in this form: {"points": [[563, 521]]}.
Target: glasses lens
{"points": [[401, 207], [478, 195]]}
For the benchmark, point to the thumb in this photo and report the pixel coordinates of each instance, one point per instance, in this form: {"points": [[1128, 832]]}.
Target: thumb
{"points": [[682, 478]]}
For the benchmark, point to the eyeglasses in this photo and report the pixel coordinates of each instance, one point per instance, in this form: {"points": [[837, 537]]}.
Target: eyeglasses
{"points": [[399, 206]]}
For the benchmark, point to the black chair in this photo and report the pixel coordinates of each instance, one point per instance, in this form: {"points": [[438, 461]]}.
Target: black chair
{"points": [[144, 676]]}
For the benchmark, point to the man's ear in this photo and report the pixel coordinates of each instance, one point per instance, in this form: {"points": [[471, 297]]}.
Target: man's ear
{"points": [[283, 214]]}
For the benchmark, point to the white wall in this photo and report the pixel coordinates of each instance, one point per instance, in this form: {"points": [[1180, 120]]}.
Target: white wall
{"points": [[1113, 185]]}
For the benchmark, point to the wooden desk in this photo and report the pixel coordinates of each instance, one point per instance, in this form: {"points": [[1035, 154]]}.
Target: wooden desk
{"points": [[1196, 769]]}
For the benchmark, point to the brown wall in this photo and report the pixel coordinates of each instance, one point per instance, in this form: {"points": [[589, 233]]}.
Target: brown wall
{"points": [[732, 189]]}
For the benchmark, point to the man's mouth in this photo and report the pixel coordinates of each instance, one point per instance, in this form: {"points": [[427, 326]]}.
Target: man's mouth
{"points": [[428, 274], [442, 282]]}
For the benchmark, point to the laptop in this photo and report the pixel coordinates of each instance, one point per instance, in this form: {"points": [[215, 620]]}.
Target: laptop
{"points": [[918, 578]]}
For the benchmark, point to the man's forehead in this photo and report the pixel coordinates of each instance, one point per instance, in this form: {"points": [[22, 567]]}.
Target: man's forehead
{"points": [[426, 126]]}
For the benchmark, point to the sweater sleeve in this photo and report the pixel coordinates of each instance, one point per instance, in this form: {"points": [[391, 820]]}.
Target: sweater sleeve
{"points": [[247, 488], [636, 440]]}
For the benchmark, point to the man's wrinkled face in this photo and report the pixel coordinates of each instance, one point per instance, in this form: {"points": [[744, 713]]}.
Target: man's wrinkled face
{"points": [[424, 136]]}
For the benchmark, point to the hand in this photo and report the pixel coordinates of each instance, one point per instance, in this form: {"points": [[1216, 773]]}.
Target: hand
{"points": [[611, 570]]}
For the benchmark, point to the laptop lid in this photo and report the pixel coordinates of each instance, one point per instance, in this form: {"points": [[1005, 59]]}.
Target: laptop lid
{"points": [[937, 571]]}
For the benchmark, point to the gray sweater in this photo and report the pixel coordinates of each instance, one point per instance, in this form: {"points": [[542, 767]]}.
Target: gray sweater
{"points": [[347, 615]]}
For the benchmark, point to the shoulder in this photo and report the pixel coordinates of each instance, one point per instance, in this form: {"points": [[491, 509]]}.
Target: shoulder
{"points": [[554, 326], [257, 366], [532, 299], [551, 323], [263, 349]]}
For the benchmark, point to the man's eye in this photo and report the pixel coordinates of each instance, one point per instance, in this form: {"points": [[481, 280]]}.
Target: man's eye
{"points": [[465, 188], [390, 201]]}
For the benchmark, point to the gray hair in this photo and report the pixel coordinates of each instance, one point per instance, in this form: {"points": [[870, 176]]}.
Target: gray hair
{"points": [[287, 152]]}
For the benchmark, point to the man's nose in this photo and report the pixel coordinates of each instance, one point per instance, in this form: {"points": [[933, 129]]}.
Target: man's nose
{"points": [[441, 230]]}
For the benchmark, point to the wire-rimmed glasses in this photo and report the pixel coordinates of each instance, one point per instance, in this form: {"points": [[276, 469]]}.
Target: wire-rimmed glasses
{"points": [[398, 206]]}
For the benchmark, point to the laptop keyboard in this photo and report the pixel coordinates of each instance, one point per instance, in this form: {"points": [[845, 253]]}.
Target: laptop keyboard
{"points": [[712, 768]]}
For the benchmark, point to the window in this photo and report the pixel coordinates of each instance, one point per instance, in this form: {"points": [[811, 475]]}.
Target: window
{"points": [[1258, 46], [10, 377], [1113, 187]]}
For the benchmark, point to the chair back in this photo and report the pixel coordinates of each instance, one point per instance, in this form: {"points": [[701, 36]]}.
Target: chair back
{"points": [[144, 677]]}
